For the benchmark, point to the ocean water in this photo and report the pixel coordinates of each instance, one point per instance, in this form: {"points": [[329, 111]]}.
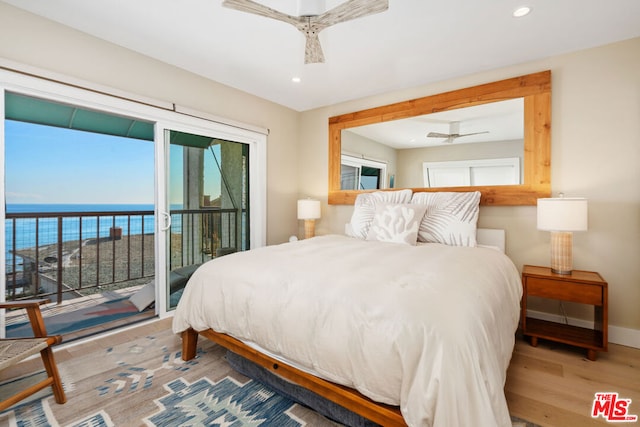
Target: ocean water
{"points": [[30, 232], [33, 207]]}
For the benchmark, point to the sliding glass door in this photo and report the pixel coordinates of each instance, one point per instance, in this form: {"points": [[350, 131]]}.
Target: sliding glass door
{"points": [[208, 204], [202, 184]]}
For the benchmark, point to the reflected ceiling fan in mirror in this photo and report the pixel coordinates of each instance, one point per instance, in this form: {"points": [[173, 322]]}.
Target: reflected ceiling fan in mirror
{"points": [[454, 133], [313, 18]]}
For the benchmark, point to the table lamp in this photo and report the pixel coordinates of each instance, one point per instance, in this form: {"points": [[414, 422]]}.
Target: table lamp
{"points": [[309, 211], [562, 216]]}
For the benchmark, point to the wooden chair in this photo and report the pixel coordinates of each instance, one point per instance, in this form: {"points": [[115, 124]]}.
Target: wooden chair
{"points": [[14, 350]]}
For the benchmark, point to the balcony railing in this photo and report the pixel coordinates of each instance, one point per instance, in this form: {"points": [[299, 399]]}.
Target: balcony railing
{"points": [[64, 255]]}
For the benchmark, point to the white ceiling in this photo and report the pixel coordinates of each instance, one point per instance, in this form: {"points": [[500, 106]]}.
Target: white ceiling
{"points": [[415, 42]]}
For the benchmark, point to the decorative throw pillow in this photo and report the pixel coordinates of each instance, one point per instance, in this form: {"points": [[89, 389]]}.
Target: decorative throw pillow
{"points": [[396, 223], [451, 217], [365, 208]]}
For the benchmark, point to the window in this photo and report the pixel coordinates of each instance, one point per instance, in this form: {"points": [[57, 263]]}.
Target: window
{"points": [[464, 173], [362, 174]]}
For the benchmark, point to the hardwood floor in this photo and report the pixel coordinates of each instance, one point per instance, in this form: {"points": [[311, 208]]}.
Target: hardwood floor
{"points": [[554, 384], [550, 385]]}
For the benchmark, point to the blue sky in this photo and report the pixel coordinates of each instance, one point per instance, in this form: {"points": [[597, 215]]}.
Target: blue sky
{"points": [[50, 165], [54, 165]]}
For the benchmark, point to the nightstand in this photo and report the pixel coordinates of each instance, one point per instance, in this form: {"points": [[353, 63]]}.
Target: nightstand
{"points": [[584, 287]]}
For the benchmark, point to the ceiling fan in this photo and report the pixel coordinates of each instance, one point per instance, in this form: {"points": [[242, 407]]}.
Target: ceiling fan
{"points": [[454, 133], [312, 20]]}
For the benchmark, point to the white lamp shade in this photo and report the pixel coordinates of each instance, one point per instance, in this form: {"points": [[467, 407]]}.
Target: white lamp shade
{"points": [[308, 209], [562, 214]]}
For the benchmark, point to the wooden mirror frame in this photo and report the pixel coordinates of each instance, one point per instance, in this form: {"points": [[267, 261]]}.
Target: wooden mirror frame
{"points": [[536, 91]]}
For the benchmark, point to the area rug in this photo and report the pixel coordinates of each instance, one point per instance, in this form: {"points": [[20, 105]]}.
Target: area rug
{"points": [[82, 318], [144, 382]]}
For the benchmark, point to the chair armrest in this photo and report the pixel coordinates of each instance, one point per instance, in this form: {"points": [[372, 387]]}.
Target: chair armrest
{"points": [[34, 313], [24, 303]]}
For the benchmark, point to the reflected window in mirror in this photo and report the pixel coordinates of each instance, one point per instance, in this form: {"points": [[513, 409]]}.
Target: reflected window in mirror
{"points": [[357, 173], [464, 173]]}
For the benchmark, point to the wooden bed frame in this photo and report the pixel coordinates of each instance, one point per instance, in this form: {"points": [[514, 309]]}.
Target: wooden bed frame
{"points": [[386, 415]]}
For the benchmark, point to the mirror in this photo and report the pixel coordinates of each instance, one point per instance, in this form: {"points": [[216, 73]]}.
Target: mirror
{"points": [[494, 138], [471, 146]]}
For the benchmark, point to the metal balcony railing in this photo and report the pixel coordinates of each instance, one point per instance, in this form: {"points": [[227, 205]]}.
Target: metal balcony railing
{"points": [[64, 255]]}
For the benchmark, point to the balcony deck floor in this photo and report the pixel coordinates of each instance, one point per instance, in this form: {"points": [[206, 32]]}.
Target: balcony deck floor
{"points": [[72, 305]]}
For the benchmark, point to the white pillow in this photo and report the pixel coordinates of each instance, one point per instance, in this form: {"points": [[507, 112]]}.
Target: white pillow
{"points": [[396, 223], [365, 208], [451, 217]]}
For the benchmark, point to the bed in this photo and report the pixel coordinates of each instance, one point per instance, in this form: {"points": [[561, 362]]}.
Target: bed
{"points": [[403, 334]]}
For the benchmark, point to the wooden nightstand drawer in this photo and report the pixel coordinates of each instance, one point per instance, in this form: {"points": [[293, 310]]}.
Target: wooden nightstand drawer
{"points": [[565, 291], [585, 287]]}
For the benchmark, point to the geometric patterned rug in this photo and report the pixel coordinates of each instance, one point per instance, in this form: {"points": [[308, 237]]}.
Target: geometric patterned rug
{"points": [[144, 382], [204, 403]]}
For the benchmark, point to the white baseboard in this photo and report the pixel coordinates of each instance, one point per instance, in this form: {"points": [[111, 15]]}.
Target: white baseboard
{"points": [[617, 334]]}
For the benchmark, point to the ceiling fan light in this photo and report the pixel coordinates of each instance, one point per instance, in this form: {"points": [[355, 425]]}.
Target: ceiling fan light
{"points": [[311, 7]]}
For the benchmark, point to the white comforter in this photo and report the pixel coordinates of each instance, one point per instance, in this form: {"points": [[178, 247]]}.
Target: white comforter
{"points": [[429, 328]]}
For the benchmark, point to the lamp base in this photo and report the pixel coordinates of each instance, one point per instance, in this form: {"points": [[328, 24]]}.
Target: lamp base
{"points": [[561, 252], [309, 228]]}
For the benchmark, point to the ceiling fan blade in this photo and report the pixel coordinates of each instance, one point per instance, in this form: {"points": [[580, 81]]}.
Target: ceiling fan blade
{"points": [[313, 51], [250, 6], [438, 135], [351, 9], [311, 26]]}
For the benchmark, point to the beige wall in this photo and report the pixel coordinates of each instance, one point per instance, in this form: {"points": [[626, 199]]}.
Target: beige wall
{"points": [[30, 40], [595, 154]]}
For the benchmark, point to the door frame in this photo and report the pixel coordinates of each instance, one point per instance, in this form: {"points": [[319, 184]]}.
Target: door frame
{"points": [[257, 185], [188, 120]]}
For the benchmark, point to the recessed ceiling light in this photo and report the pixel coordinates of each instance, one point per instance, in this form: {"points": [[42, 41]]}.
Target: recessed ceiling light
{"points": [[296, 79], [521, 11]]}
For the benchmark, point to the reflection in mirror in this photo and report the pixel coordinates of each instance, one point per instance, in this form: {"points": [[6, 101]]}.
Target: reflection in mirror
{"points": [[507, 169], [362, 173], [477, 145]]}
